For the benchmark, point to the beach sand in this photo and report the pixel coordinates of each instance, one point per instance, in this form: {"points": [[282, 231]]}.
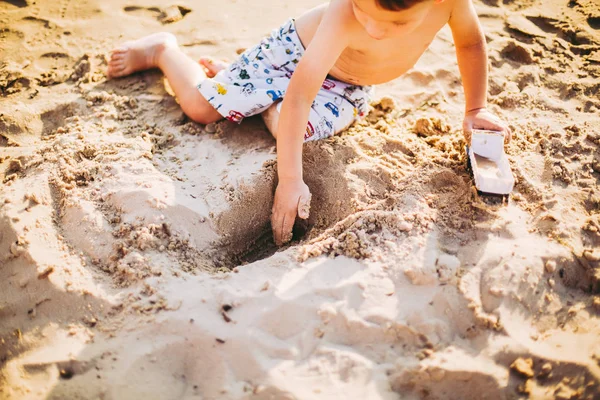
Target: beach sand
{"points": [[136, 259]]}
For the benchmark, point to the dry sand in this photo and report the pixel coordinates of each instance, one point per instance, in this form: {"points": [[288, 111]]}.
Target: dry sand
{"points": [[120, 222]]}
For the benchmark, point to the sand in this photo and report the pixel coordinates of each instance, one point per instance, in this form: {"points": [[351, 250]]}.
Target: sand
{"points": [[136, 259]]}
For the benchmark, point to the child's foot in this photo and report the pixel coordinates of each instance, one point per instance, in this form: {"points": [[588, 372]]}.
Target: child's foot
{"points": [[212, 66], [138, 55]]}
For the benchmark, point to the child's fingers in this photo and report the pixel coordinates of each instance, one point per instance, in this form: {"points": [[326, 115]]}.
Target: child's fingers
{"points": [[287, 224], [276, 225], [304, 207], [507, 135], [489, 125], [497, 127], [282, 225]]}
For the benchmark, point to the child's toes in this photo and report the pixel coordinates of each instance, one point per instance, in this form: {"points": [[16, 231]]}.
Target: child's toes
{"points": [[115, 69], [117, 57], [205, 61], [116, 66], [212, 66], [117, 60], [118, 51]]}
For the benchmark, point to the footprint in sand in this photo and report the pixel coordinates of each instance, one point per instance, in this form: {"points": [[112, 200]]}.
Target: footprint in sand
{"points": [[166, 15]]}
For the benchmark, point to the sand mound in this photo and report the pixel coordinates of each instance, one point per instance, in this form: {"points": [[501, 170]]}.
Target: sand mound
{"points": [[136, 257]]}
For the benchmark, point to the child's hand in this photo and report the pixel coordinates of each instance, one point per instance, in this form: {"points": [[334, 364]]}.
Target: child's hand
{"points": [[481, 118], [291, 197]]}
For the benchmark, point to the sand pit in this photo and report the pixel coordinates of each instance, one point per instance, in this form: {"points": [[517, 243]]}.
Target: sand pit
{"points": [[136, 259]]}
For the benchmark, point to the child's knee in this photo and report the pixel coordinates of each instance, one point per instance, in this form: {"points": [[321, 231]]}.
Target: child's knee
{"points": [[199, 110], [202, 118]]}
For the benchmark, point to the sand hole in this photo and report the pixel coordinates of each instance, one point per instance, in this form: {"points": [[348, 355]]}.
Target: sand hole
{"points": [[66, 373], [68, 369], [184, 10], [238, 195], [17, 3], [56, 117], [594, 22], [264, 247]]}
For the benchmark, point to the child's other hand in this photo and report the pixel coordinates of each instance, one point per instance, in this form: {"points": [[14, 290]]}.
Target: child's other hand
{"points": [[292, 198], [481, 118]]}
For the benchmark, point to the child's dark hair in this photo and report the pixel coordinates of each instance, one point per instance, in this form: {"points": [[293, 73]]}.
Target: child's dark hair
{"points": [[397, 5]]}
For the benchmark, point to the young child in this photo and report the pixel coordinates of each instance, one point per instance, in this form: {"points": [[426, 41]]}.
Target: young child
{"points": [[321, 65]]}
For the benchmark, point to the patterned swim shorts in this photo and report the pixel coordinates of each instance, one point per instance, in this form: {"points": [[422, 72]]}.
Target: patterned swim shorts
{"points": [[261, 76]]}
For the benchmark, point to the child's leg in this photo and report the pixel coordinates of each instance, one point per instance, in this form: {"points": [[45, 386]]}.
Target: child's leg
{"points": [[317, 123], [161, 50], [271, 118]]}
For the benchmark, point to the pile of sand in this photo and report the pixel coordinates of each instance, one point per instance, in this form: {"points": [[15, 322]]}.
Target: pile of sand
{"points": [[136, 259]]}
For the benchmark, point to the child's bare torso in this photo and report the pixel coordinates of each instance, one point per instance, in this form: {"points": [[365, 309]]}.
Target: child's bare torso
{"points": [[368, 61]]}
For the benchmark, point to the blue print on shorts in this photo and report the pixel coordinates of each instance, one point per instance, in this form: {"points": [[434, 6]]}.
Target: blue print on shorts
{"points": [[274, 94], [333, 108]]}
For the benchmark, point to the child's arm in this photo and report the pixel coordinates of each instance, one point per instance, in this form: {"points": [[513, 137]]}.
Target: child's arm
{"points": [[471, 54], [292, 195]]}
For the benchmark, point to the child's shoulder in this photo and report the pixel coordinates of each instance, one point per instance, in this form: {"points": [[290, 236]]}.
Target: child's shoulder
{"points": [[340, 13], [337, 16], [340, 10]]}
